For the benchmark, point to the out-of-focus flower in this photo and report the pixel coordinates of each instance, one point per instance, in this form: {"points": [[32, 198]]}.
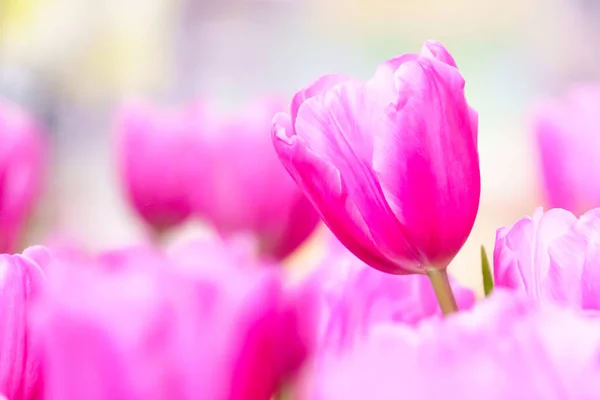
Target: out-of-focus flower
{"points": [[242, 187], [553, 257], [21, 280], [203, 328], [22, 160], [568, 143], [356, 297], [155, 154], [392, 163], [504, 348]]}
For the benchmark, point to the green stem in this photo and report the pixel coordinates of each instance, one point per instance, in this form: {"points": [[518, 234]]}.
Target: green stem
{"points": [[441, 286]]}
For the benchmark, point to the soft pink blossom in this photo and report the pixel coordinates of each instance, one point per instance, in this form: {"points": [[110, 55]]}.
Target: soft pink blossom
{"points": [[22, 163], [566, 134], [356, 297], [505, 348], [203, 328], [553, 257], [155, 153], [242, 188], [21, 280], [391, 164]]}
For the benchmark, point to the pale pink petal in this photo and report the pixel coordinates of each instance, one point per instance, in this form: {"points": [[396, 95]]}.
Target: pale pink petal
{"points": [[436, 50], [503, 349]]}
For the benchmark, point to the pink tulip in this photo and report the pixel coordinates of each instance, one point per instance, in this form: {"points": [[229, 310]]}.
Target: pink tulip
{"points": [[503, 349], [391, 164], [175, 330], [242, 187], [356, 297], [553, 257], [566, 134], [22, 161], [21, 279], [155, 153]]}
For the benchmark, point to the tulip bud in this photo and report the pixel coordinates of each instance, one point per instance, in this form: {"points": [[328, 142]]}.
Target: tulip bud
{"points": [[242, 187], [22, 161], [566, 134], [391, 164], [20, 282], [154, 155]]}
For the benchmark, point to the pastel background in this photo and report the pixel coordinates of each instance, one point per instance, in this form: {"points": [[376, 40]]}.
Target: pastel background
{"points": [[73, 61]]}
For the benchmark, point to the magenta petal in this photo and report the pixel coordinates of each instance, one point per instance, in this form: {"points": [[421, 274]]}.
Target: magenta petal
{"points": [[322, 184], [318, 87], [21, 280], [417, 147], [436, 50]]}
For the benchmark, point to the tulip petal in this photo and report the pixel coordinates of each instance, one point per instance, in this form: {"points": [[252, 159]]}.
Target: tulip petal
{"points": [[418, 146], [340, 127], [20, 280], [322, 183], [436, 50], [318, 87]]}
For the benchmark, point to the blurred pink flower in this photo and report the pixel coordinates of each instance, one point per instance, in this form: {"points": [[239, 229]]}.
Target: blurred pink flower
{"points": [[356, 297], [242, 187], [154, 153], [21, 280], [553, 257], [503, 349], [391, 164], [568, 143], [203, 328], [22, 162]]}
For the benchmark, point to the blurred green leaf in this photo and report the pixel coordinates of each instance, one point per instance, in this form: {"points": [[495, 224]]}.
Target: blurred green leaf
{"points": [[488, 280]]}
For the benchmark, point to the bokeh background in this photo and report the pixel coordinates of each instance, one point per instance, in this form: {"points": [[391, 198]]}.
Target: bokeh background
{"points": [[72, 62]]}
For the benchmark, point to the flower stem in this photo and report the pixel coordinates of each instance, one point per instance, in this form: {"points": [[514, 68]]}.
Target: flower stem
{"points": [[443, 291]]}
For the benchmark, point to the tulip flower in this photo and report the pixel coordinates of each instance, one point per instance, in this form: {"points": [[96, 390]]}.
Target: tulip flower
{"points": [[242, 189], [356, 297], [154, 155], [203, 328], [504, 349], [22, 161], [566, 134], [21, 280], [554, 257], [391, 164]]}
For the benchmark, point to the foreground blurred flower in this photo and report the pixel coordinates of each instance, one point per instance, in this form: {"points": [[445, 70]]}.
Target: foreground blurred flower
{"points": [[20, 281], [242, 187], [554, 257], [356, 297], [391, 164], [154, 155], [22, 160], [568, 143], [201, 328], [504, 349]]}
